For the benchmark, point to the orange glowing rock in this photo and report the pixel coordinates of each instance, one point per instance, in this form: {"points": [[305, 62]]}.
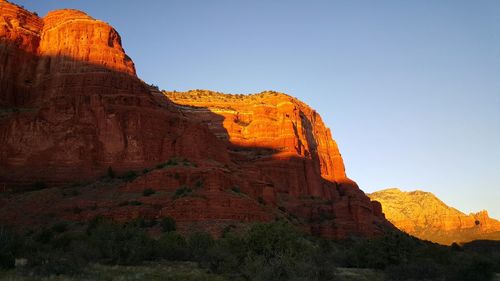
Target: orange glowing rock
{"points": [[423, 215], [74, 107], [280, 140]]}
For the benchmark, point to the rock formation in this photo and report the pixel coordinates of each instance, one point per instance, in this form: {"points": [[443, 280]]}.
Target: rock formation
{"points": [[73, 114], [284, 144], [73, 106], [423, 215]]}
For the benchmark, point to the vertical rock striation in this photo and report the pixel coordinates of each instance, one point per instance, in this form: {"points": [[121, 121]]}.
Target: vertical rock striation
{"points": [[285, 144], [72, 104], [72, 107]]}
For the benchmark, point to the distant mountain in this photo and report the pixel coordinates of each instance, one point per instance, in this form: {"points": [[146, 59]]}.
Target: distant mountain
{"points": [[423, 215]]}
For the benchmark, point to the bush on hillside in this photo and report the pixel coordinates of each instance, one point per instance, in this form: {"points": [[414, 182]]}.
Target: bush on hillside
{"points": [[277, 251], [171, 246], [167, 224], [8, 246], [120, 244], [129, 176], [148, 192], [199, 244]]}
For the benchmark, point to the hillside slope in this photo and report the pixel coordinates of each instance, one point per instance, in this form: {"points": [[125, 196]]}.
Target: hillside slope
{"points": [[423, 215]]}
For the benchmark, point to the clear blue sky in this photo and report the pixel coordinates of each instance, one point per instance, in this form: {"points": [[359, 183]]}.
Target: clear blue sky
{"points": [[410, 89]]}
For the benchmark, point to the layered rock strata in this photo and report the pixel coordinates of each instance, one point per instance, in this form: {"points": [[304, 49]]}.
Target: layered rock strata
{"points": [[74, 115], [72, 104]]}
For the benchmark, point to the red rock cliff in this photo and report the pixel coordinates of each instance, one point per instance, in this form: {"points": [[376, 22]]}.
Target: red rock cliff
{"points": [[72, 104], [284, 127], [72, 108], [282, 144]]}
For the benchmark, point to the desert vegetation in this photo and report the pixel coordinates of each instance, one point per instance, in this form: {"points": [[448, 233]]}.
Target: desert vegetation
{"points": [[273, 251], [213, 96]]}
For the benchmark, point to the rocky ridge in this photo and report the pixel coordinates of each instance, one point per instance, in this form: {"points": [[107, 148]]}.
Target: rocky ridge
{"points": [[423, 215], [82, 136]]}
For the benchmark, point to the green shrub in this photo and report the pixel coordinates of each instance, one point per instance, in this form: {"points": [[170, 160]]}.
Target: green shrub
{"points": [[261, 201], [273, 239], [44, 236], [170, 162], [227, 255], [167, 224], [182, 192], [129, 176], [148, 192], [236, 189], [392, 249], [199, 243], [7, 260], [120, 244], [8, 246], [141, 222], [270, 251], [471, 268], [48, 263], [171, 246], [161, 165], [277, 251], [198, 184], [93, 223], [134, 203], [83, 248], [64, 241]]}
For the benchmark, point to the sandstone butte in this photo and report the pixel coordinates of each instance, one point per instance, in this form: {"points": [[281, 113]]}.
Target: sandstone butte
{"points": [[423, 215], [72, 111]]}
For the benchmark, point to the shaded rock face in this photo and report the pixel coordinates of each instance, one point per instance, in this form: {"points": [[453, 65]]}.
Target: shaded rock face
{"points": [[72, 104], [283, 143], [281, 126], [72, 109], [423, 215]]}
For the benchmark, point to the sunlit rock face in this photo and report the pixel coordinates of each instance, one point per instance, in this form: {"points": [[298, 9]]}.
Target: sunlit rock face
{"points": [[20, 38], [423, 215], [75, 35], [282, 142], [282, 126], [72, 108]]}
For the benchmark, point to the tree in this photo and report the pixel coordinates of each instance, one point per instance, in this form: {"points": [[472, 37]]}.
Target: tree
{"points": [[167, 224], [171, 246], [8, 246]]}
